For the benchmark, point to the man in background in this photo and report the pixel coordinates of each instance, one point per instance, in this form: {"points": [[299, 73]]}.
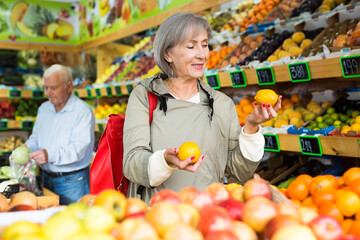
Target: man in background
{"points": [[62, 139]]}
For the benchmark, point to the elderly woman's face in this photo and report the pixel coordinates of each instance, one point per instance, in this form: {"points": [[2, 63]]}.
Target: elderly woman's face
{"points": [[188, 59]]}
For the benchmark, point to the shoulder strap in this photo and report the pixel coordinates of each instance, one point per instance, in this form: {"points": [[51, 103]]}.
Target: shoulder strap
{"points": [[152, 104]]}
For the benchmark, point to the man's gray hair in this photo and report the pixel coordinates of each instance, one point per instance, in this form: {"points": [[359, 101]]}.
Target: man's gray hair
{"points": [[173, 31], [64, 72]]}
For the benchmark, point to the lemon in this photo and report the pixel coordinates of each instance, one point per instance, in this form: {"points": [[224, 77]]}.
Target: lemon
{"points": [[189, 149], [266, 96], [355, 127]]}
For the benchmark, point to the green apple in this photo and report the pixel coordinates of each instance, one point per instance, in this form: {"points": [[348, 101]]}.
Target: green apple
{"points": [[330, 110], [98, 219], [334, 116], [319, 119], [313, 124], [61, 225], [77, 209]]}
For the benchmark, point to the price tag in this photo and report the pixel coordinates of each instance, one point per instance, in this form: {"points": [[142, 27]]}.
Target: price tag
{"points": [[310, 145], [37, 94], [97, 92], [88, 93], [299, 72], [271, 143], [101, 127], [108, 91], [265, 76], [4, 124], [27, 124], [129, 88], [15, 93], [76, 92], [238, 79], [118, 91], [213, 80], [350, 66]]}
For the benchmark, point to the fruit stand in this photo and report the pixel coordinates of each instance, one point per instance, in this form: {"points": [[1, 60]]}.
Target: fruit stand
{"points": [[306, 51]]}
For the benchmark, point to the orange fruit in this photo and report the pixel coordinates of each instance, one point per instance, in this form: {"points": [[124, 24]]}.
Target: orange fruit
{"points": [[295, 98], [189, 149], [340, 181], [355, 229], [338, 193], [322, 184], [298, 189], [351, 174], [266, 96], [346, 224], [284, 192], [305, 177], [348, 203], [332, 210], [355, 186], [245, 101], [308, 202], [357, 215], [296, 202], [321, 197]]}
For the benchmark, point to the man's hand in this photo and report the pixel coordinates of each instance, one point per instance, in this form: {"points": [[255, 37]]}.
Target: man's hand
{"points": [[40, 156]]}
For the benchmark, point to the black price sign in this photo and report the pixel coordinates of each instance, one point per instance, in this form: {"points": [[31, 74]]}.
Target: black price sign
{"points": [[88, 93], [108, 91], [350, 66], [238, 79], [310, 145], [265, 76], [271, 143], [98, 92], [37, 94], [118, 91], [299, 72], [4, 124], [129, 88], [101, 127], [76, 92], [213, 80], [27, 124], [15, 93]]}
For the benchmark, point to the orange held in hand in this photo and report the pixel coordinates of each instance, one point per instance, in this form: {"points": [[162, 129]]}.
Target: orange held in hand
{"points": [[189, 149]]}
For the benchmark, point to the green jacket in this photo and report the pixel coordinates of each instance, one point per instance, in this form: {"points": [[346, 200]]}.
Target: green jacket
{"points": [[213, 124]]}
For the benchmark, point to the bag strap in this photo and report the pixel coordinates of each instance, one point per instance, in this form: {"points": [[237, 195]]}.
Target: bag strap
{"points": [[152, 104]]}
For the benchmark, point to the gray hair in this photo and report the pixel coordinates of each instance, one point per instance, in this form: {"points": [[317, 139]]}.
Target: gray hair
{"points": [[64, 73], [173, 31]]}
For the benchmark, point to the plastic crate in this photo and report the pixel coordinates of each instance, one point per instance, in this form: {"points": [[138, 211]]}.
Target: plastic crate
{"points": [[308, 131]]}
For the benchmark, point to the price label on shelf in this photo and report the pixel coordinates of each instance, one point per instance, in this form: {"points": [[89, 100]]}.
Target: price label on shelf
{"points": [[4, 124], [88, 93], [238, 79], [129, 88], [271, 143], [108, 91], [118, 91], [350, 66], [37, 94], [299, 72], [310, 145], [76, 92], [15, 93], [27, 124], [101, 127], [213, 80], [265, 76], [98, 92]]}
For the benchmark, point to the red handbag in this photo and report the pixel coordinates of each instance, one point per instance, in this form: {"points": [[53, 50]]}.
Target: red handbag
{"points": [[106, 170]]}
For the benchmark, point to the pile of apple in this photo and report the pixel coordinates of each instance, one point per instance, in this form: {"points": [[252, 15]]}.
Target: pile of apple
{"points": [[230, 212]]}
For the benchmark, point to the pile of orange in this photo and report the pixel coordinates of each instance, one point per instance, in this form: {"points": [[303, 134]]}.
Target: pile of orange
{"points": [[262, 9], [335, 197], [216, 57], [244, 108]]}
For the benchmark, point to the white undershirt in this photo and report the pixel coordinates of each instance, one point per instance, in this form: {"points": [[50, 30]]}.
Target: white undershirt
{"points": [[159, 170]]}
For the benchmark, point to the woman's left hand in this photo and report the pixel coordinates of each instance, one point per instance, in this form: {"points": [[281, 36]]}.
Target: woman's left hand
{"points": [[261, 114]]}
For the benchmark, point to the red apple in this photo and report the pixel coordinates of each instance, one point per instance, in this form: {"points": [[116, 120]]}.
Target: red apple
{"points": [[188, 193], [326, 228], [349, 237], [279, 222], [256, 187], [21, 207], [234, 208], [135, 207], [134, 228], [243, 231], [202, 200], [221, 235], [214, 219], [287, 208], [182, 231], [294, 232], [218, 192], [188, 213], [257, 212], [88, 199], [113, 201], [165, 195]]}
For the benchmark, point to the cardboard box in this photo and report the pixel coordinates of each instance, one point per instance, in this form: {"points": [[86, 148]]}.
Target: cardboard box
{"points": [[49, 199]]}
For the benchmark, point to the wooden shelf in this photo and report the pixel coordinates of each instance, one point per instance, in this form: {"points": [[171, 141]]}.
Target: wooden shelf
{"points": [[13, 124]]}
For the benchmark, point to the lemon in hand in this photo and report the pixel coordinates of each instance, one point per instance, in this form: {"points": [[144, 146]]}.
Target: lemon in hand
{"points": [[189, 149]]}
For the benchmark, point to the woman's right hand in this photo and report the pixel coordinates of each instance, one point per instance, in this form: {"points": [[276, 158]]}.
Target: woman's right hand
{"points": [[172, 159]]}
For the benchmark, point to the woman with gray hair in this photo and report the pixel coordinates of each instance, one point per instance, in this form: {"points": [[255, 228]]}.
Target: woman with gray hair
{"points": [[188, 110]]}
